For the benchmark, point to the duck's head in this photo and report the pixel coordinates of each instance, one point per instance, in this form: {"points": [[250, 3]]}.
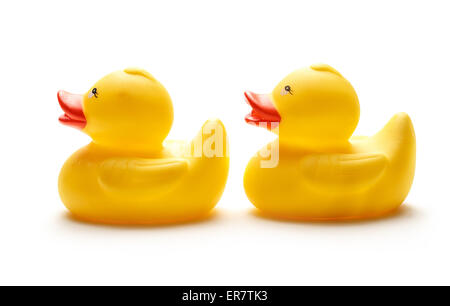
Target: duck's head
{"points": [[125, 109], [313, 106]]}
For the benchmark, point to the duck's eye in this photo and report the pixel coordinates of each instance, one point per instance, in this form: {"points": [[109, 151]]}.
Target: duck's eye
{"points": [[93, 93], [286, 90]]}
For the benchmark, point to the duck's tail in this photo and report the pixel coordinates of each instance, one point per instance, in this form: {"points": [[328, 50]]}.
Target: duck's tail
{"points": [[398, 135], [211, 141], [397, 141], [209, 152], [209, 162]]}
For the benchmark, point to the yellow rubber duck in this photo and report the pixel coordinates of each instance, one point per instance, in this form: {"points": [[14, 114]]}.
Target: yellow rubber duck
{"points": [[126, 175], [315, 169]]}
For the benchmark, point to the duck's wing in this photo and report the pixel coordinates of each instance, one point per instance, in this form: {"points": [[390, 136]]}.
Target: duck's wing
{"points": [[342, 172], [141, 177]]}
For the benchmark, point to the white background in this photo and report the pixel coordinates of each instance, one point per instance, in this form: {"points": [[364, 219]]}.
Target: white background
{"points": [[206, 53]]}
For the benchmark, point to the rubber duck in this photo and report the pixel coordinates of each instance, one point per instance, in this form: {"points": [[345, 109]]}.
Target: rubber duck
{"points": [[128, 174], [320, 171]]}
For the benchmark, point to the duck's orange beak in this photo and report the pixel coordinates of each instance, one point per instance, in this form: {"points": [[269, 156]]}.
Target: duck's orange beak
{"points": [[263, 111], [72, 105]]}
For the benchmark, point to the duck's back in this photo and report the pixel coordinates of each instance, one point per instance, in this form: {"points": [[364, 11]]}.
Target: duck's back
{"points": [[396, 141]]}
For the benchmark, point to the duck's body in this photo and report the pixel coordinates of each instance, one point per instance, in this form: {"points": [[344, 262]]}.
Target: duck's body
{"points": [[368, 178], [100, 185], [360, 177], [123, 181]]}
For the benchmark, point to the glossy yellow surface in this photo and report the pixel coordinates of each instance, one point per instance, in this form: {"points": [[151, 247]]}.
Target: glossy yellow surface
{"points": [[126, 175], [323, 173]]}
